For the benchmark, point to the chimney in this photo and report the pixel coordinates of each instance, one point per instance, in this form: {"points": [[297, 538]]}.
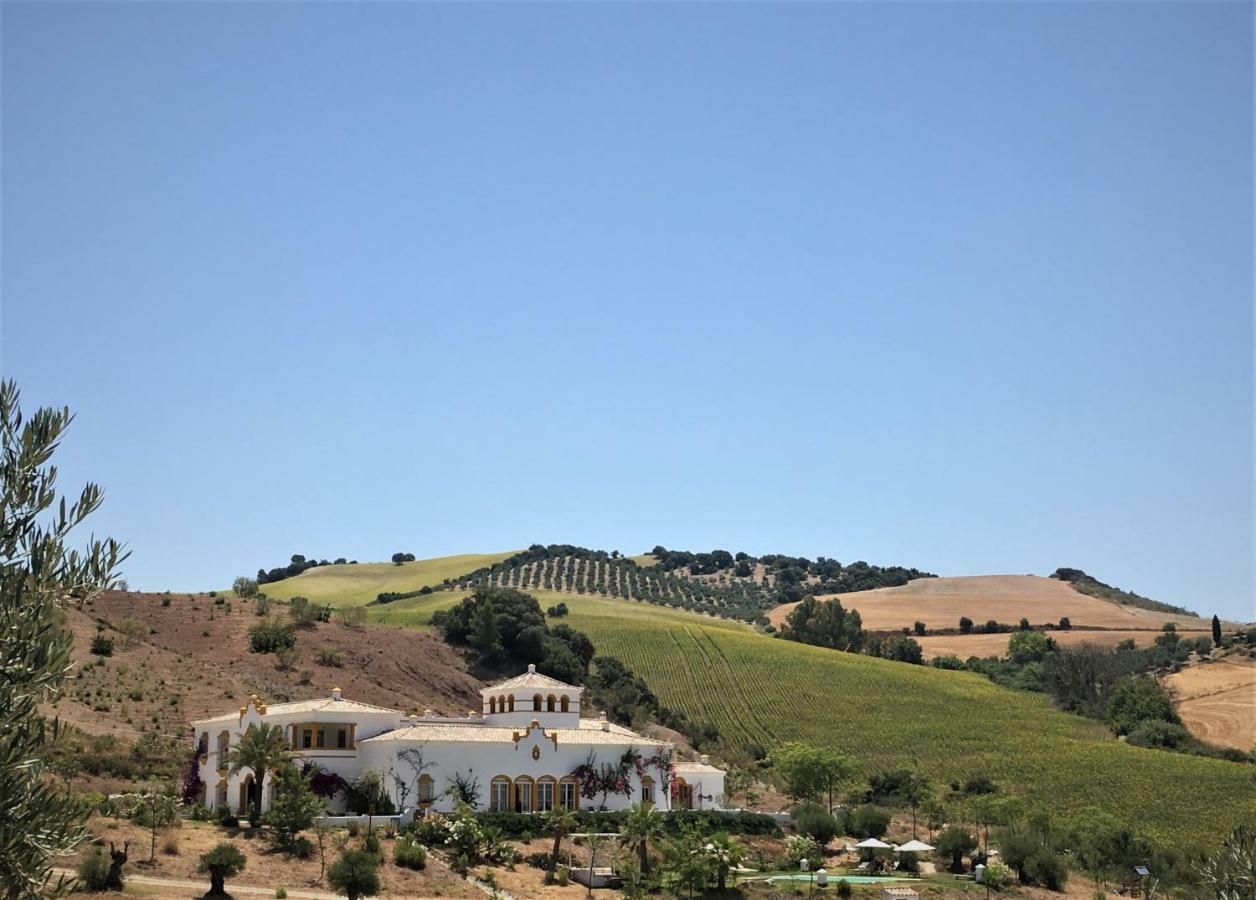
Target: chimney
{"points": [[531, 668], [606, 726], [412, 718], [706, 760], [427, 714], [335, 693]]}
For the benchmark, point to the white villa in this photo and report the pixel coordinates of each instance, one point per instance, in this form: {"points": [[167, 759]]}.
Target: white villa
{"points": [[527, 750]]}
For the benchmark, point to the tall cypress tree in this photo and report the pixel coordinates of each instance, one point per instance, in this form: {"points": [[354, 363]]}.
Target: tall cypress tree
{"points": [[38, 578], [1216, 631]]}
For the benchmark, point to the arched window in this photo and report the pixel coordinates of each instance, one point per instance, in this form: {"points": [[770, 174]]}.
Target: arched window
{"points": [[220, 795], [524, 794], [224, 742], [647, 790], [511, 701], [550, 702], [492, 704], [567, 793], [536, 703], [564, 704], [499, 794], [546, 789], [427, 789], [202, 746]]}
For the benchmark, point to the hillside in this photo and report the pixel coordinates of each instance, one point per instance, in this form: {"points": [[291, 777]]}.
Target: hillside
{"points": [[191, 659], [759, 691], [737, 586], [939, 603], [358, 584]]}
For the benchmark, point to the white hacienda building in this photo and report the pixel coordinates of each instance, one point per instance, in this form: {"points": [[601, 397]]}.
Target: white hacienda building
{"points": [[527, 750]]}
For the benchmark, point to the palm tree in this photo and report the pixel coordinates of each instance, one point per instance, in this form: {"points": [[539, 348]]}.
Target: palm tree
{"points": [[261, 749], [727, 854], [560, 822], [642, 825]]}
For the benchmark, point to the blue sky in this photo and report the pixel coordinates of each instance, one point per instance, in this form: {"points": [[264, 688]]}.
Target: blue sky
{"points": [[966, 287]]}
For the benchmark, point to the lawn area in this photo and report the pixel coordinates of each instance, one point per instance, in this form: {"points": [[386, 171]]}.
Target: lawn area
{"points": [[358, 585], [760, 691]]}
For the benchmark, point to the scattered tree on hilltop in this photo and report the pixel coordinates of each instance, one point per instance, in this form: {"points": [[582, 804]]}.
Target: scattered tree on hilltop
{"points": [[38, 577], [1092, 586]]}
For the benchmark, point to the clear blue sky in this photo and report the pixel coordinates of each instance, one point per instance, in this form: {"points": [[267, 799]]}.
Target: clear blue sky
{"points": [[966, 287]]}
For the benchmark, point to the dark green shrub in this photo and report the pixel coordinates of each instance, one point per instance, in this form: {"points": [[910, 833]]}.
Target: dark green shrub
{"points": [[1164, 735], [93, 871], [355, 874], [411, 855], [870, 821], [817, 822], [301, 848], [101, 645], [844, 889], [1047, 869], [269, 636]]}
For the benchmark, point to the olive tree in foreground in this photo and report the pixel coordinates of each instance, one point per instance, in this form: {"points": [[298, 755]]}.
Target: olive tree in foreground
{"points": [[223, 862], [38, 577]]}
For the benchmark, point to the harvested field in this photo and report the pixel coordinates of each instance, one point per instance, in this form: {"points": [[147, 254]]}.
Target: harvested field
{"points": [[1217, 701], [966, 645], [940, 602]]}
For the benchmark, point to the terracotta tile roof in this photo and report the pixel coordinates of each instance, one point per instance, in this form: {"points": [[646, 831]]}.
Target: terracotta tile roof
{"points": [[322, 704], [532, 678], [589, 733], [694, 767]]}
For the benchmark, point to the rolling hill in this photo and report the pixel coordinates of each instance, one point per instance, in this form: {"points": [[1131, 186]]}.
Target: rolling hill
{"points": [[359, 584], [939, 603], [759, 691]]}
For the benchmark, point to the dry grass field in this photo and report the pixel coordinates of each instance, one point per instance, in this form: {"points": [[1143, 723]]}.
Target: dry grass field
{"points": [[359, 584], [1217, 701], [966, 645], [939, 603], [264, 867]]}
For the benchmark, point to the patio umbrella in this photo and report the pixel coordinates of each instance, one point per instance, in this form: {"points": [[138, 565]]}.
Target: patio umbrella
{"points": [[914, 846], [874, 844]]}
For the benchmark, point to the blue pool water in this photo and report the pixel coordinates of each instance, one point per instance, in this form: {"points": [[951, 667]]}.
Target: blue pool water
{"points": [[835, 878]]}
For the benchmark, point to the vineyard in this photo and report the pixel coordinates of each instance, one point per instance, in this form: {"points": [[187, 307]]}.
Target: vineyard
{"points": [[716, 583], [759, 691]]}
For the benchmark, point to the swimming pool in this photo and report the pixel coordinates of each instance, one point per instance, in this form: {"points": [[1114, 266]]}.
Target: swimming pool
{"points": [[834, 878]]}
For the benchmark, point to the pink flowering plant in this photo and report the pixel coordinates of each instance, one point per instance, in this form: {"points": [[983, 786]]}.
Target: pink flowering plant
{"points": [[605, 779]]}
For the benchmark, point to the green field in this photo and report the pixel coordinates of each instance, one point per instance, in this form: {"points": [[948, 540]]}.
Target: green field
{"points": [[760, 690], [359, 584]]}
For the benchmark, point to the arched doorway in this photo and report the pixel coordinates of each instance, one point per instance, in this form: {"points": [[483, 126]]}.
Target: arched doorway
{"points": [[246, 795]]}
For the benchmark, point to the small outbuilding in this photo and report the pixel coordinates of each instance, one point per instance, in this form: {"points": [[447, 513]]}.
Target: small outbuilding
{"points": [[899, 893]]}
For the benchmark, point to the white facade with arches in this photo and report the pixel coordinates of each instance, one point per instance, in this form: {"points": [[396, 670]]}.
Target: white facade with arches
{"points": [[526, 750]]}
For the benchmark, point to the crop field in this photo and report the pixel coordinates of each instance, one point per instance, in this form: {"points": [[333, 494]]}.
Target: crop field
{"points": [[760, 691], [1217, 701], [966, 645], [359, 584], [939, 603]]}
